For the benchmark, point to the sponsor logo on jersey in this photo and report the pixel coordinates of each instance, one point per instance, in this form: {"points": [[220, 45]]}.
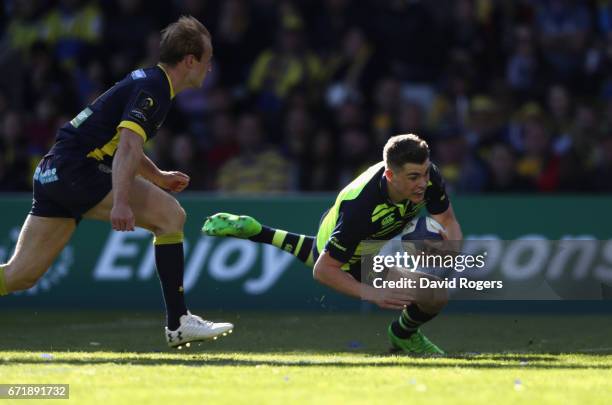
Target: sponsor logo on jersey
{"points": [[138, 74], [47, 176], [146, 103], [82, 116], [144, 107], [388, 220], [139, 115]]}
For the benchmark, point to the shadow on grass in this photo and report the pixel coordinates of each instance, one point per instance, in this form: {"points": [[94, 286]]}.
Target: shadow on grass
{"points": [[153, 343], [247, 343], [194, 360]]}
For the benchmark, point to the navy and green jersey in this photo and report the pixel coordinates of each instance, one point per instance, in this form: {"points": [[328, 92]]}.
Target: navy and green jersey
{"points": [[139, 102], [363, 211]]}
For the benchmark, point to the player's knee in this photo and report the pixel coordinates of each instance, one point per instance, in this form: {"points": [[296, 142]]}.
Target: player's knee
{"points": [[177, 219], [181, 216], [433, 301], [439, 299], [172, 219]]}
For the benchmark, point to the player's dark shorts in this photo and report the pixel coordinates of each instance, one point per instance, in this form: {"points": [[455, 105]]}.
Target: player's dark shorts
{"points": [[67, 187]]}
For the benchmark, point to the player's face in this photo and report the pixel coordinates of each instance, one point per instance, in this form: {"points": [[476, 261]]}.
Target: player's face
{"points": [[410, 182], [200, 68]]}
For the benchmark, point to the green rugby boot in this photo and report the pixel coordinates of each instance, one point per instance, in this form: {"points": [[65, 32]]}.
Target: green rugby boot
{"points": [[415, 344], [224, 224]]}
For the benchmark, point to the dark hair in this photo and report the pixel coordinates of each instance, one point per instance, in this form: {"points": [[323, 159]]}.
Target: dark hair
{"points": [[402, 149], [182, 38]]}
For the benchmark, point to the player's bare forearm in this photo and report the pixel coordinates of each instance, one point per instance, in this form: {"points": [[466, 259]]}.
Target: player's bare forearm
{"points": [[125, 165], [328, 271], [449, 221], [171, 181], [149, 170], [453, 236], [126, 162], [453, 231]]}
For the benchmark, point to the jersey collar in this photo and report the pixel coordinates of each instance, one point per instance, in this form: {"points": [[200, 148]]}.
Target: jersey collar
{"points": [[383, 186], [169, 81]]}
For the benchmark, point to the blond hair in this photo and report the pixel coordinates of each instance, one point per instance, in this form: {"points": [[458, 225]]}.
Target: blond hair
{"points": [[187, 36]]}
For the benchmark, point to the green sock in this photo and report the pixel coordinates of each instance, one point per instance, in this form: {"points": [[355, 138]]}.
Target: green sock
{"points": [[3, 290]]}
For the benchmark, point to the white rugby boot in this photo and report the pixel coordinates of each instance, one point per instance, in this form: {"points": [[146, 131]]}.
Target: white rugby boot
{"points": [[193, 329]]}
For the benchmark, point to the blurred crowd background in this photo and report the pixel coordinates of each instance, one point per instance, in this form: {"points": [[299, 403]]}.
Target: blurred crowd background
{"points": [[512, 95]]}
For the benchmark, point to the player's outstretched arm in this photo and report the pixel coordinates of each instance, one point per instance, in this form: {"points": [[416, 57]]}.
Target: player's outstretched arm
{"points": [[328, 271], [125, 164]]}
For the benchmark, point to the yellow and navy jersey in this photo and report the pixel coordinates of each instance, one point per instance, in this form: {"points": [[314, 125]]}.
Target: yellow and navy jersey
{"points": [[139, 102], [363, 212]]}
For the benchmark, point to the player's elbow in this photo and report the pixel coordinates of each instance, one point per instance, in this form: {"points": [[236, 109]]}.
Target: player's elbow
{"points": [[317, 272], [172, 218], [321, 273], [24, 281], [325, 269], [180, 217]]}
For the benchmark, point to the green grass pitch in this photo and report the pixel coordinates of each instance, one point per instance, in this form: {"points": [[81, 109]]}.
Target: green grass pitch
{"points": [[121, 358]]}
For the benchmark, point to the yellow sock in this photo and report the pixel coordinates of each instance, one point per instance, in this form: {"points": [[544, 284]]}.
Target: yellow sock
{"points": [[3, 290], [168, 239]]}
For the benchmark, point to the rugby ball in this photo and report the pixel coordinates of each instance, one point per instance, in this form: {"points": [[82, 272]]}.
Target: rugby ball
{"points": [[422, 228], [411, 237]]}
